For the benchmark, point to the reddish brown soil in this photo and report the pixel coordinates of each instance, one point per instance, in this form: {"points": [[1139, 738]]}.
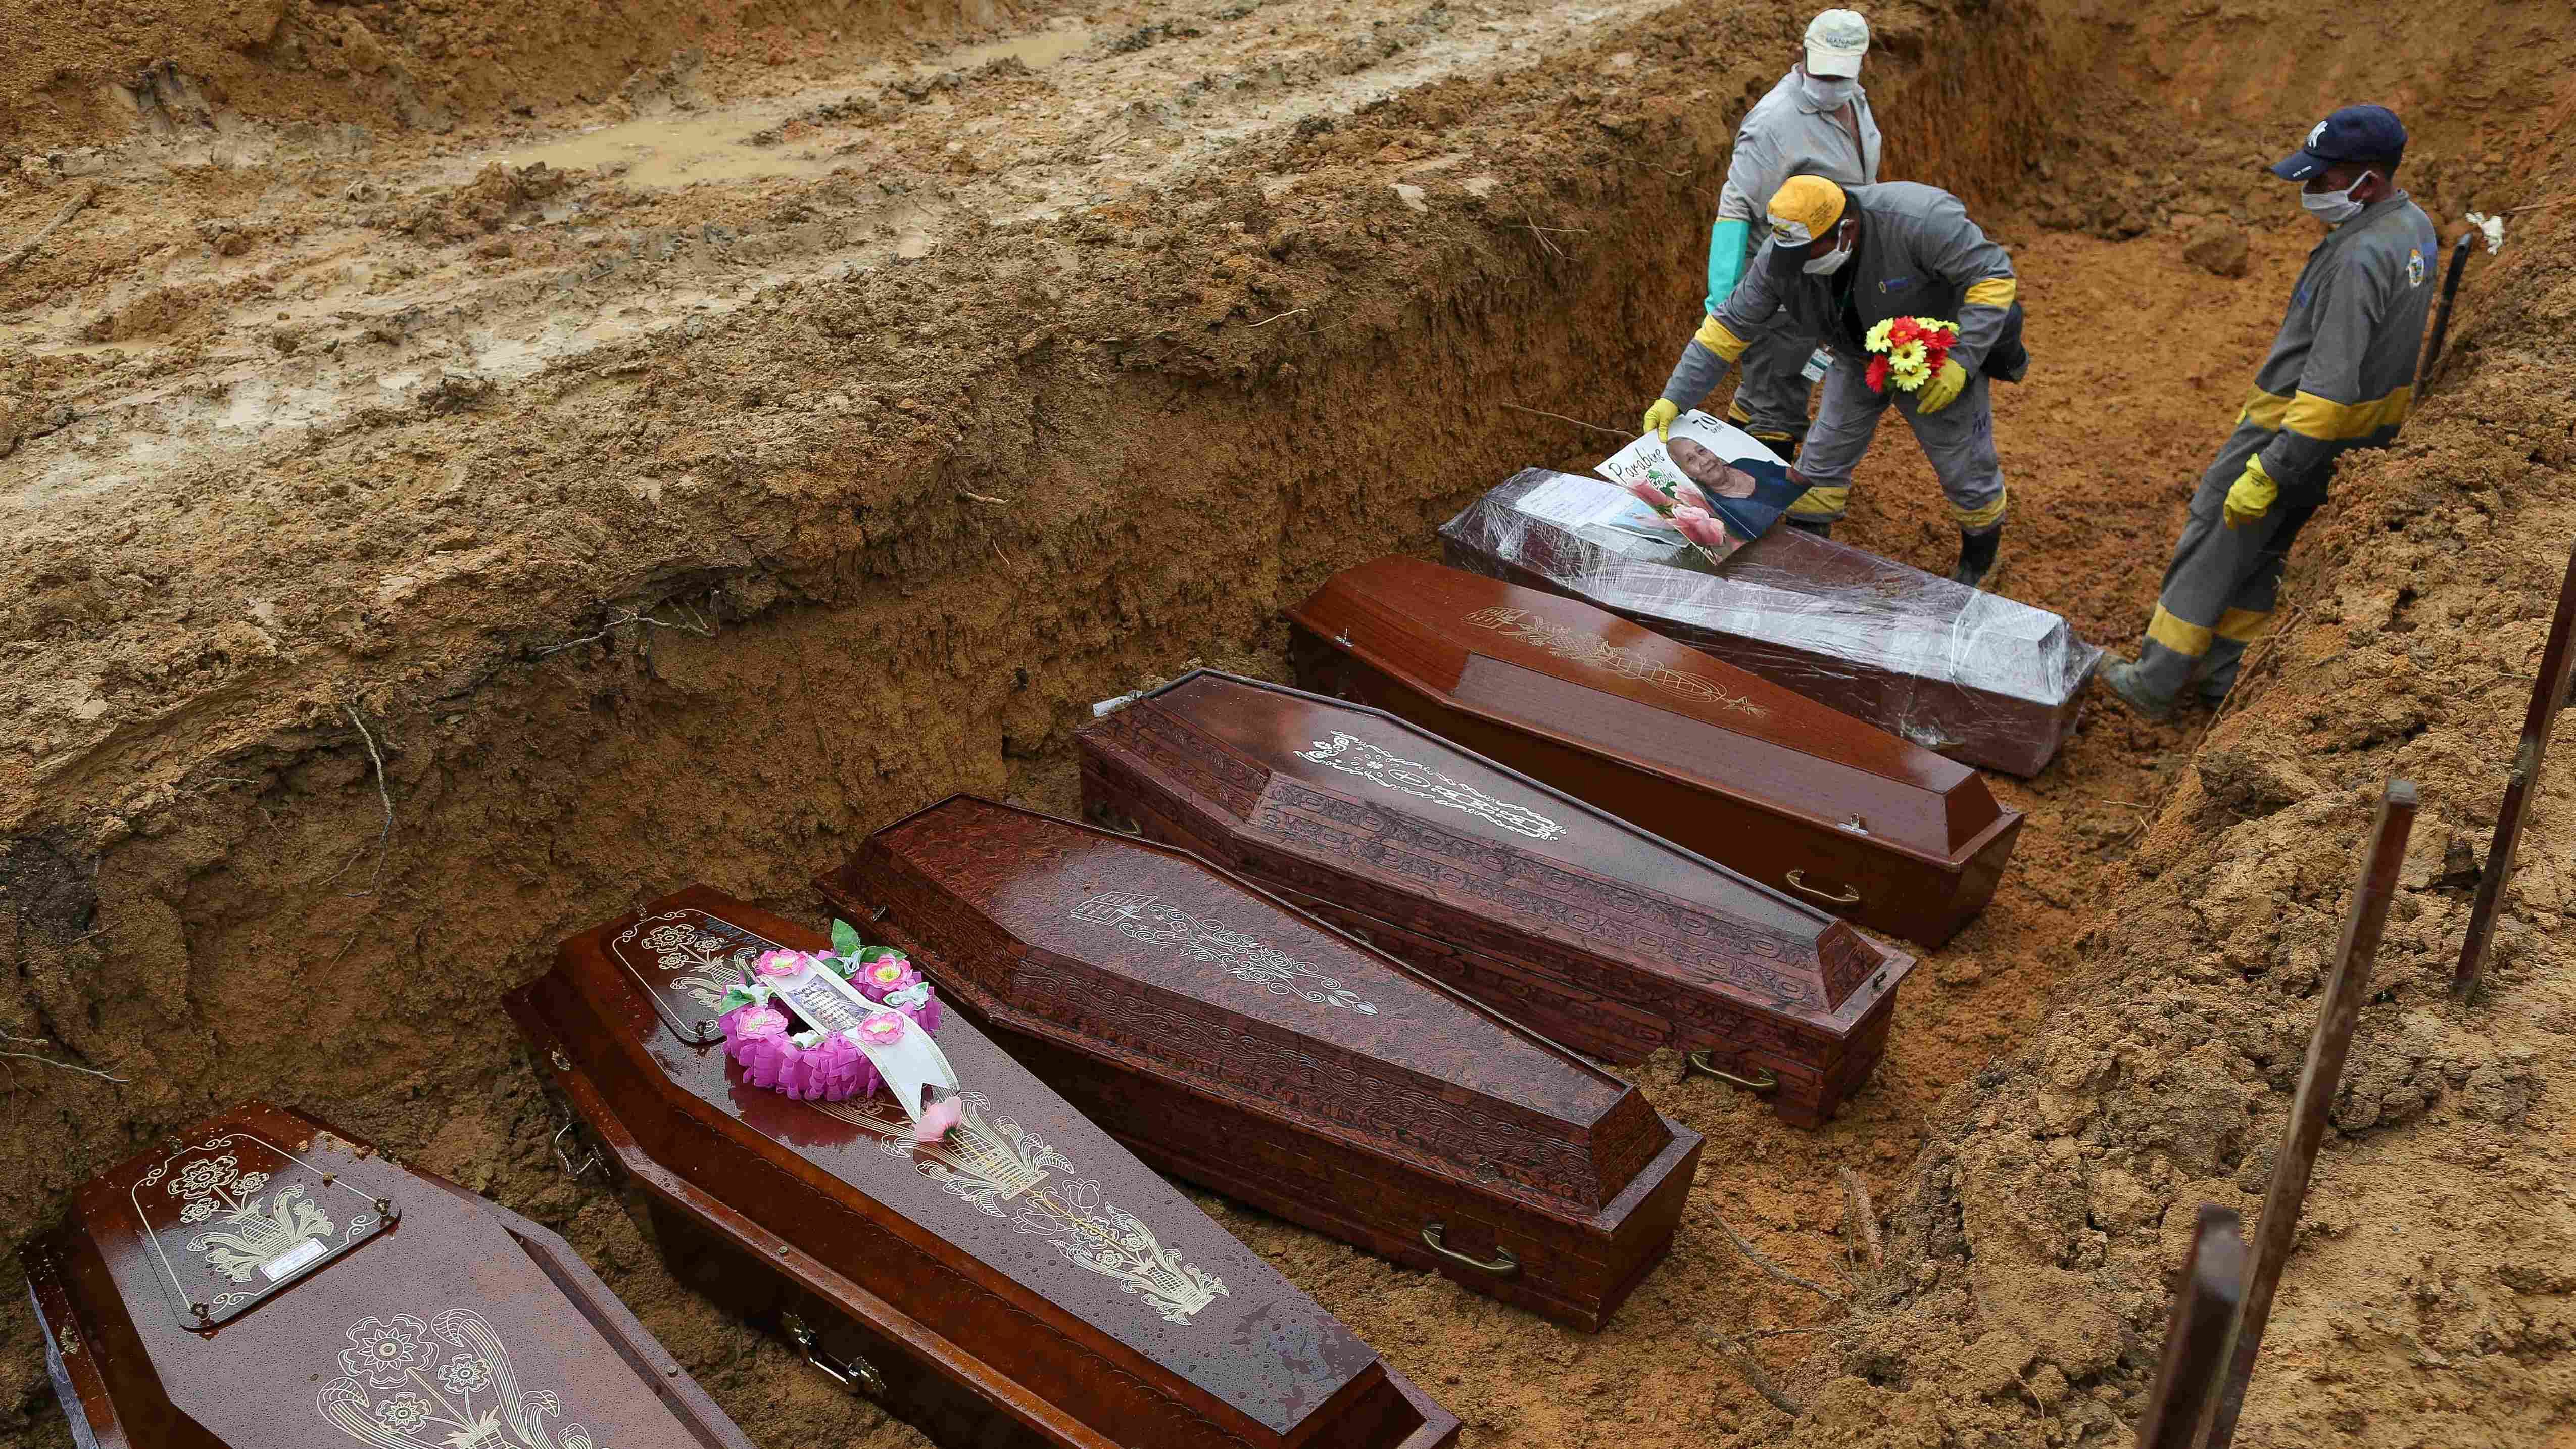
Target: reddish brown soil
{"points": [[334, 460]]}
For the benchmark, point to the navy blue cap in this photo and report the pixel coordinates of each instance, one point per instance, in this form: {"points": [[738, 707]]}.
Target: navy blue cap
{"points": [[2355, 133]]}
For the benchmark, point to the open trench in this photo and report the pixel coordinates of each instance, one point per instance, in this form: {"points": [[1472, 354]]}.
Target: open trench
{"points": [[833, 629]]}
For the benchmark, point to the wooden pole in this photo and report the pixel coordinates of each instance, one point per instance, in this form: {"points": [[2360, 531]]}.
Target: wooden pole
{"points": [[2346, 990], [2548, 692], [2442, 313], [2195, 1358]]}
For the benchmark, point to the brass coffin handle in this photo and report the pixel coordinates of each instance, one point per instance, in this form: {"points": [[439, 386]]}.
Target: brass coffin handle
{"points": [[1848, 896], [858, 1375], [1502, 1265], [1112, 820], [1766, 1081]]}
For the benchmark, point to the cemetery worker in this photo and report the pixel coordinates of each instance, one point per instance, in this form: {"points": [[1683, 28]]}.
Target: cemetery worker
{"points": [[2340, 376], [1815, 122], [1841, 259]]}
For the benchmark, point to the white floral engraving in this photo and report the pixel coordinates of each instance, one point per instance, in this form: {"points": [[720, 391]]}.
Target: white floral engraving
{"points": [[253, 1239], [1145, 918], [1358, 757], [991, 1164], [1567, 642], [448, 1382]]}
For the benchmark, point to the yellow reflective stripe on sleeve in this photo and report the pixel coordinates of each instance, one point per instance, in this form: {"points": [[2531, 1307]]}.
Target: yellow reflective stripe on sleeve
{"points": [[2264, 409], [2242, 626], [2174, 634], [1822, 502], [2311, 416], [1972, 520], [1996, 292], [1738, 413], [1714, 336]]}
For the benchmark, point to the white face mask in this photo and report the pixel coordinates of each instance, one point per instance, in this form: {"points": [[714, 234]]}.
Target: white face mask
{"points": [[1827, 92], [1827, 264], [2334, 208]]}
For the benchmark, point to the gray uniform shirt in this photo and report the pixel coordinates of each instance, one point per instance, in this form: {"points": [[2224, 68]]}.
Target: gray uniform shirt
{"points": [[1919, 256], [1783, 136], [2341, 373]]}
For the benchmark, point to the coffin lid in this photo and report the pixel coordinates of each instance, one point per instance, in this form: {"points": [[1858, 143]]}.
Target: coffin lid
{"points": [[1560, 668], [346, 1296], [1027, 1188], [1141, 952], [1523, 851]]}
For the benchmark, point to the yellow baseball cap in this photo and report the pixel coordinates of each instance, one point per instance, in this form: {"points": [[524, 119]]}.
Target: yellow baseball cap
{"points": [[1803, 209]]}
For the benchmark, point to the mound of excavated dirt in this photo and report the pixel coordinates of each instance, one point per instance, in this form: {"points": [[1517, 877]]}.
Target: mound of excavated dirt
{"points": [[424, 544]]}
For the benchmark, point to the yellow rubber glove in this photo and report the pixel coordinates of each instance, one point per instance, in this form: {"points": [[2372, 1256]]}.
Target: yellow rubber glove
{"points": [[1942, 390], [2252, 494], [1659, 418]]}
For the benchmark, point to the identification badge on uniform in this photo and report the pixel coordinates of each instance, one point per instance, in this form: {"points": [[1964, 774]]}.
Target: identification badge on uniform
{"points": [[1896, 284], [2415, 266]]}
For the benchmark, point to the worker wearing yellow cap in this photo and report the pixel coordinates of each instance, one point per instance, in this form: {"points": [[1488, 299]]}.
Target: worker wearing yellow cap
{"points": [[1815, 122], [1840, 260]]}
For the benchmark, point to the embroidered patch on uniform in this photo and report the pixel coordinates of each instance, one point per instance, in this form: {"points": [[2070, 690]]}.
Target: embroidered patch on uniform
{"points": [[2415, 267], [1896, 284]]}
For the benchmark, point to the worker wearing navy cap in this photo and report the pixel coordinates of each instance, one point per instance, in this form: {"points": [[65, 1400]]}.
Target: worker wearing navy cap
{"points": [[2339, 377]]}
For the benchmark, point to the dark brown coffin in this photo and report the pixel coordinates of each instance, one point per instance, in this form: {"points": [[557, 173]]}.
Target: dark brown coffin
{"points": [[1025, 1283], [1603, 937], [1968, 674], [1753, 776], [1232, 1041], [346, 1299]]}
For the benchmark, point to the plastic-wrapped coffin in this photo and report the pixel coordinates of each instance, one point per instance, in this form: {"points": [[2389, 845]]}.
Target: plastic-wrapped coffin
{"points": [[1795, 795], [1236, 1042], [1606, 938], [1022, 1282], [265, 1282], [1969, 674]]}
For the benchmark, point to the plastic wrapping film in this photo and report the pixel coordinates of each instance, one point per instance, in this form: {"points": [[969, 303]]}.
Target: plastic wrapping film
{"points": [[1982, 679]]}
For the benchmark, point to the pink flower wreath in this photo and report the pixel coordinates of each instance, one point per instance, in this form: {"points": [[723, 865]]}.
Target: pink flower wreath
{"points": [[823, 1066]]}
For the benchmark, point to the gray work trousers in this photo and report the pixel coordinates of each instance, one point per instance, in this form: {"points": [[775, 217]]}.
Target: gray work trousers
{"points": [[1959, 442], [2221, 587], [1770, 385]]}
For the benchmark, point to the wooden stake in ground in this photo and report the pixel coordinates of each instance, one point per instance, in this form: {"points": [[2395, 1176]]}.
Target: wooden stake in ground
{"points": [[70, 209], [1862, 1218], [2547, 694], [2346, 990], [2205, 1301]]}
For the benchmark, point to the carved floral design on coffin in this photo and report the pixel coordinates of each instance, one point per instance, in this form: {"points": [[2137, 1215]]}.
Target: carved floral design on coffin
{"points": [[687, 956], [987, 1161], [1567, 642], [1147, 918], [992, 1164], [238, 1230], [1354, 756], [447, 1382]]}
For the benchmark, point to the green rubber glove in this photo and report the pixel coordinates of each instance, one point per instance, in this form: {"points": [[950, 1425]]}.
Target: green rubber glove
{"points": [[1943, 389], [2251, 496], [1728, 242], [1659, 418]]}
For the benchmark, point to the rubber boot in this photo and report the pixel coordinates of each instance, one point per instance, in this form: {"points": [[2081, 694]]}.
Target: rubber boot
{"points": [[1977, 556], [2121, 678], [1820, 527]]}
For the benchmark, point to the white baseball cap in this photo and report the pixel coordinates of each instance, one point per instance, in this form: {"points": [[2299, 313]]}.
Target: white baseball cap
{"points": [[1836, 40]]}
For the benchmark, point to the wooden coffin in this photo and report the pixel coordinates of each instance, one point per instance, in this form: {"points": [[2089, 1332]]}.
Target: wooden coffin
{"points": [[1234, 1042], [1604, 937], [1791, 793], [1025, 1282], [1968, 674], [265, 1282]]}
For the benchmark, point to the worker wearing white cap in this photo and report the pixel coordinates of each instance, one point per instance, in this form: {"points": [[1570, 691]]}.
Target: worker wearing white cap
{"points": [[1815, 122]]}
